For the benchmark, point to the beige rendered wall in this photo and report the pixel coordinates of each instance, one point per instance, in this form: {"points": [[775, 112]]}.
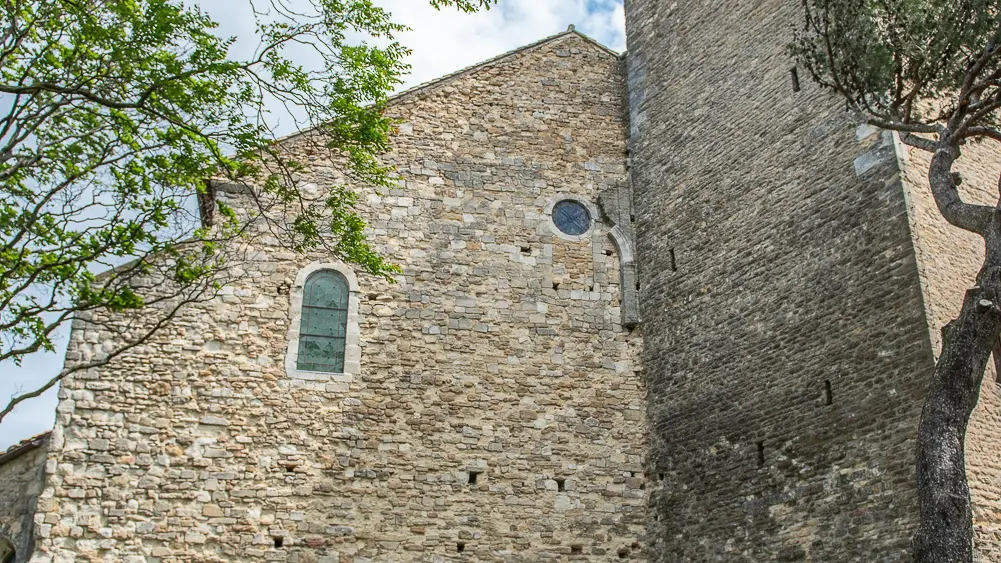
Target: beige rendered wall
{"points": [[499, 351]]}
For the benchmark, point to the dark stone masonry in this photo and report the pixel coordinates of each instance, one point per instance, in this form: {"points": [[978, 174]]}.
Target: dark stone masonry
{"points": [[787, 344], [671, 306]]}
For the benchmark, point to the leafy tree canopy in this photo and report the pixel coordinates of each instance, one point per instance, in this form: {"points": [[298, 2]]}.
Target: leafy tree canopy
{"points": [[908, 62], [113, 113]]}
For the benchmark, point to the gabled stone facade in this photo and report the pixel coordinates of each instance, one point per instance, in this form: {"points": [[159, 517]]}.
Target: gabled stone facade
{"points": [[491, 407]]}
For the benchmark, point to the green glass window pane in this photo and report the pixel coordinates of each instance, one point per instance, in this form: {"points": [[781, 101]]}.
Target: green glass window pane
{"points": [[326, 289], [324, 322], [321, 354]]}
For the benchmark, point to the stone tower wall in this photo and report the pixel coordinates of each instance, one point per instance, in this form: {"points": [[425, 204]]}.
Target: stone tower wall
{"points": [[499, 353], [786, 342]]}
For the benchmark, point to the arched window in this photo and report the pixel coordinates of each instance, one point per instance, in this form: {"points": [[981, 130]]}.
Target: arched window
{"points": [[324, 321], [324, 337]]}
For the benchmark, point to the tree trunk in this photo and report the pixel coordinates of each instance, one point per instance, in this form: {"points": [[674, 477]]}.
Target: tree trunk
{"points": [[945, 534]]}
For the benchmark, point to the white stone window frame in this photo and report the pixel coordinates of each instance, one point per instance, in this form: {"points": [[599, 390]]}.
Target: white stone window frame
{"points": [[592, 210], [352, 340]]}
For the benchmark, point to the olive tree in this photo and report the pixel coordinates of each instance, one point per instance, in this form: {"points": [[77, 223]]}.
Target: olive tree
{"points": [[929, 70]]}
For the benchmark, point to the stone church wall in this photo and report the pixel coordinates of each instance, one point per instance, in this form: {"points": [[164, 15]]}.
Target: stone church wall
{"points": [[786, 338], [497, 411], [22, 471]]}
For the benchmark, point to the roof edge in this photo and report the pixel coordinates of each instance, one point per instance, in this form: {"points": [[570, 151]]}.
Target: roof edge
{"points": [[431, 84], [24, 446]]}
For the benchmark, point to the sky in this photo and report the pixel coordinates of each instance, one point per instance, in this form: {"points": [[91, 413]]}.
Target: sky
{"points": [[442, 42]]}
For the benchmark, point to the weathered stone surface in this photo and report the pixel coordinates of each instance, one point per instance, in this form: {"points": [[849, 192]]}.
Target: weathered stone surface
{"points": [[787, 349], [616, 205], [22, 470], [500, 354], [794, 277]]}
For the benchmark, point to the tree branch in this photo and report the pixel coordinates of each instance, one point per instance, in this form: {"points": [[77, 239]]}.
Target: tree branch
{"points": [[966, 216]]}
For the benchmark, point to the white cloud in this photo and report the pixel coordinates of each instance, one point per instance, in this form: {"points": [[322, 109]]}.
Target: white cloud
{"points": [[442, 42], [446, 41]]}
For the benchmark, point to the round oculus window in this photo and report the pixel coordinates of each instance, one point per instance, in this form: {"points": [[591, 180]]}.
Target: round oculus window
{"points": [[571, 217]]}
